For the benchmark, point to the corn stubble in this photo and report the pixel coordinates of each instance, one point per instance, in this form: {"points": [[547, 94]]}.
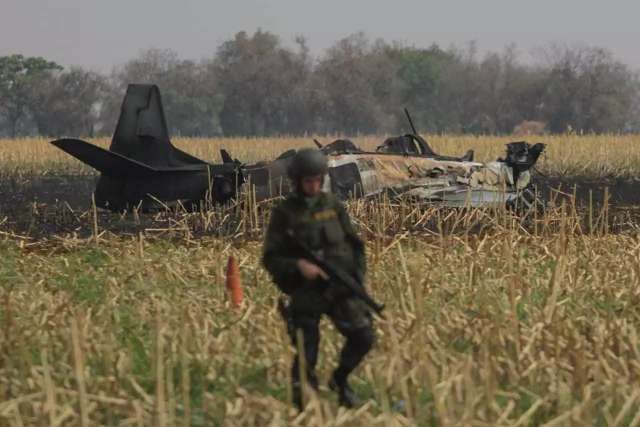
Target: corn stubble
{"points": [[585, 155], [490, 320]]}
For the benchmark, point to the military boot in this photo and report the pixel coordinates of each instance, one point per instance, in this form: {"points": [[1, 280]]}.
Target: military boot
{"points": [[346, 395]]}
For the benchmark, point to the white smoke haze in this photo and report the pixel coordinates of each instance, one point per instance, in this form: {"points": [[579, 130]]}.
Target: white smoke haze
{"points": [[101, 34]]}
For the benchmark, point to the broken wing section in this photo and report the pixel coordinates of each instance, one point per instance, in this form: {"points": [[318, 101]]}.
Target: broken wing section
{"points": [[452, 183], [367, 174]]}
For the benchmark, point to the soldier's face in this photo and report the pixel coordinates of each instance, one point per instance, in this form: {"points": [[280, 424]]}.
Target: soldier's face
{"points": [[311, 185]]}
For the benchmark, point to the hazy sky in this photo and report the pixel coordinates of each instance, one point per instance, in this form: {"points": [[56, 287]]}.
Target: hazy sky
{"points": [[102, 33]]}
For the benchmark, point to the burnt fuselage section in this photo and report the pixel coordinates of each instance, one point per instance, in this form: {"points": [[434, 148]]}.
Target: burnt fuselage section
{"points": [[142, 169], [450, 181]]}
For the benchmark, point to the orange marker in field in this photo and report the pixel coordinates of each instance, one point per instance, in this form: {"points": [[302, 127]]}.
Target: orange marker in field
{"points": [[233, 282]]}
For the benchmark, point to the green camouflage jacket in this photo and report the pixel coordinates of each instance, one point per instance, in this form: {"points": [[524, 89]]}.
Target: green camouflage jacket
{"points": [[324, 225]]}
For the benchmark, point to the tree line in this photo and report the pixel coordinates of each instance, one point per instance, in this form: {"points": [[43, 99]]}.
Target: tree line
{"points": [[254, 85]]}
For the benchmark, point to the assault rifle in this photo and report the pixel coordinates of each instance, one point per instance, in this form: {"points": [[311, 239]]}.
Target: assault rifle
{"points": [[336, 275]]}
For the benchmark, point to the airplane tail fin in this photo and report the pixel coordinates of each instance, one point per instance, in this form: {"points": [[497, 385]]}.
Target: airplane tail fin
{"points": [[142, 134]]}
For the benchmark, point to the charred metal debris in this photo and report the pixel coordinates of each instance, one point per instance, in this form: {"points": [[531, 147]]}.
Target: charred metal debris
{"points": [[143, 169]]}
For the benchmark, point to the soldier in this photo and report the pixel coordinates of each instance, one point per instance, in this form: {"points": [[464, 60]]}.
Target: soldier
{"points": [[320, 221]]}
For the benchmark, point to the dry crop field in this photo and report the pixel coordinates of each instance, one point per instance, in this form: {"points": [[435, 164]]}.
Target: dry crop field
{"points": [[590, 155], [115, 320]]}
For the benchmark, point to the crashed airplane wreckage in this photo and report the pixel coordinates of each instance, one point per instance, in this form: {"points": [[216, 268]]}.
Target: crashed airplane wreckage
{"points": [[143, 169]]}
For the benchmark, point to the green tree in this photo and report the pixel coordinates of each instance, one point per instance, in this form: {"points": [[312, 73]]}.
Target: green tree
{"points": [[510, 92], [189, 92], [264, 85], [421, 73], [588, 90], [358, 85], [69, 103], [19, 76]]}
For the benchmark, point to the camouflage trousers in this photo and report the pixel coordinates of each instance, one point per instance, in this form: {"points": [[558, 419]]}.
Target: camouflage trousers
{"points": [[351, 318]]}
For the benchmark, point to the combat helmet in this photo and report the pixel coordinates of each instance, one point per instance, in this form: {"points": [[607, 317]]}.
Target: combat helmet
{"points": [[307, 162]]}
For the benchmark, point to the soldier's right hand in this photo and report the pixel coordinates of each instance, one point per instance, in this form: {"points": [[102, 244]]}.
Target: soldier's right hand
{"points": [[310, 271]]}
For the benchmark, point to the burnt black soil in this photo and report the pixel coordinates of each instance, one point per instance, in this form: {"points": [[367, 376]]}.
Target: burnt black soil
{"points": [[18, 191], [45, 205], [33, 204], [620, 196], [621, 192]]}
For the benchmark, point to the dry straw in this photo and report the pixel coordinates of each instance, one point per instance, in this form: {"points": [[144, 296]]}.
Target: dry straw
{"points": [[491, 320]]}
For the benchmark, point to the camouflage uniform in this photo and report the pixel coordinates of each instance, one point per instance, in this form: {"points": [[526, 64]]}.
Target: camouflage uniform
{"points": [[324, 225]]}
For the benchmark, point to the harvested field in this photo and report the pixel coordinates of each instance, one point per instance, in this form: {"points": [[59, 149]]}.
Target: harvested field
{"points": [[125, 319]]}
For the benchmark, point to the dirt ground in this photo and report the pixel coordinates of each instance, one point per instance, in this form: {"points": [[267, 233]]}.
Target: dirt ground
{"points": [[42, 205], [623, 193]]}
